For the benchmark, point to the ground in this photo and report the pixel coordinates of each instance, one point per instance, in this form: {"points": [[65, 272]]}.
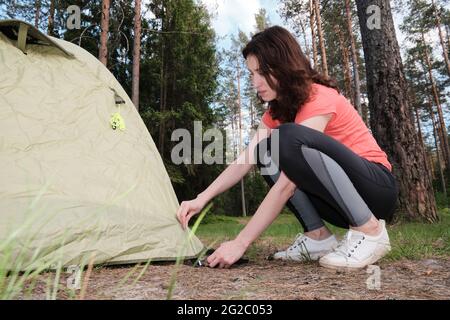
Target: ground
{"points": [[261, 278], [418, 267]]}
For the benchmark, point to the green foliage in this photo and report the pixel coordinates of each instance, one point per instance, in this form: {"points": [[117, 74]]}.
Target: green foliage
{"points": [[442, 202], [417, 240], [409, 240]]}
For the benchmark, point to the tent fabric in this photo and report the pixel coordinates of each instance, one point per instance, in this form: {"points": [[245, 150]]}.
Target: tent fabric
{"points": [[11, 29], [73, 190]]}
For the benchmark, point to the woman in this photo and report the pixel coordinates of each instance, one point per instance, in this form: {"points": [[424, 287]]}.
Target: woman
{"points": [[328, 165]]}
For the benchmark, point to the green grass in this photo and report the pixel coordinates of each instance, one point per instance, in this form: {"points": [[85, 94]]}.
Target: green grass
{"points": [[412, 240], [409, 240], [21, 263]]}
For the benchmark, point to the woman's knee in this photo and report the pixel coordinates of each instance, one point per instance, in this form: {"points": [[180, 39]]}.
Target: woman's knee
{"points": [[282, 146], [293, 134], [289, 141], [292, 139]]}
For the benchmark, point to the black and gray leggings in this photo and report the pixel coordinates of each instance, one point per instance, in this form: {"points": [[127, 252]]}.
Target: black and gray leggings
{"points": [[333, 182]]}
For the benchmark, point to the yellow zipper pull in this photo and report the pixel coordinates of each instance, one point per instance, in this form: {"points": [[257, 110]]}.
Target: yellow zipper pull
{"points": [[117, 122]]}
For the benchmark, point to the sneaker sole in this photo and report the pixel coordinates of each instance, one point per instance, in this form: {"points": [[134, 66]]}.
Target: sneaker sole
{"points": [[312, 257], [381, 252]]}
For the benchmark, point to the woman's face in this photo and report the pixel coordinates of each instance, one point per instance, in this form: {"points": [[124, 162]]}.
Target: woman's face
{"points": [[259, 81]]}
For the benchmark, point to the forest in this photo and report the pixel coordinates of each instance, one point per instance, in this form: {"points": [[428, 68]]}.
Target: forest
{"points": [[178, 70]]}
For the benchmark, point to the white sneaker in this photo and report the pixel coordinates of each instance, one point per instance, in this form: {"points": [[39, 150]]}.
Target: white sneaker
{"points": [[307, 249], [358, 250]]}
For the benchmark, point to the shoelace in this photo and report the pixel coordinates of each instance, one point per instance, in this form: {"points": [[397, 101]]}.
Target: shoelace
{"points": [[348, 245], [299, 241]]}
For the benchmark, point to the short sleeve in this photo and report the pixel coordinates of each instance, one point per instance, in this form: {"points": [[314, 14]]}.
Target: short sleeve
{"points": [[323, 101], [268, 121]]}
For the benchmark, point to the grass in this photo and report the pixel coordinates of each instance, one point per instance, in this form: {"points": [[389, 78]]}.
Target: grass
{"points": [[409, 240], [182, 252], [21, 263]]}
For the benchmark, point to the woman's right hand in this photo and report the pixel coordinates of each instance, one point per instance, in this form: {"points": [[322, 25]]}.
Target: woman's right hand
{"points": [[188, 209]]}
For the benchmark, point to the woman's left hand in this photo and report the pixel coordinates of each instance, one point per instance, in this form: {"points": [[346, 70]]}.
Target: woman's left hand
{"points": [[228, 253]]}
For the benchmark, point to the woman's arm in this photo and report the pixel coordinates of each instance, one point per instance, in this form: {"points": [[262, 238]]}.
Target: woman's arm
{"points": [[229, 252], [237, 169], [228, 178], [278, 195], [268, 210]]}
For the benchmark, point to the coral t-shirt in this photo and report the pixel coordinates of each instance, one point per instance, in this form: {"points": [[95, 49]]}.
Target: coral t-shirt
{"points": [[345, 125]]}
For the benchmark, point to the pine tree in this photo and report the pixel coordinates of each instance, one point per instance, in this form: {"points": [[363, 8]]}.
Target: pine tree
{"points": [[136, 54], [390, 119], [103, 54]]}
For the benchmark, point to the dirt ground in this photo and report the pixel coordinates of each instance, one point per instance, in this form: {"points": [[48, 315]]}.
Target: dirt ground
{"points": [[261, 278]]}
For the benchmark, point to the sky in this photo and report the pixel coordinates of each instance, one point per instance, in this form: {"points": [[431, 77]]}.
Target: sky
{"points": [[232, 15], [229, 16]]}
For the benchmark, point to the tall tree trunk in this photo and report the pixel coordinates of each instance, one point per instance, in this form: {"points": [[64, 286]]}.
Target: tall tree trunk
{"points": [[438, 154], [441, 140], [437, 20], [136, 54], [51, 18], [390, 117], [233, 130], [312, 18], [252, 121], [244, 211], [433, 170], [357, 82], [365, 115], [445, 145], [104, 24], [323, 52], [447, 31], [346, 65], [419, 127], [163, 96], [307, 49], [37, 13]]}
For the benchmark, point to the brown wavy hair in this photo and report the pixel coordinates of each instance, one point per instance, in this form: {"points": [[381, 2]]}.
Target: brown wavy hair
{"points": [[280, 55]]}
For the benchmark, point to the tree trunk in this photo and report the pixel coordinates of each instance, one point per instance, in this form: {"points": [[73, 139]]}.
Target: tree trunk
{"points": [[51, 18], [37, 13], [233, 131], [307, 49], [104, 23], [438, 154], [365, 111], [345, 58], [163, 97], [445, 146], [252, 121], [312, 18], [321, 38], [390, 115], [433, 170], [136, 54], [244, 211], [441, 36], [419, 129], [447, 31], [441, 140], [357, 82]]}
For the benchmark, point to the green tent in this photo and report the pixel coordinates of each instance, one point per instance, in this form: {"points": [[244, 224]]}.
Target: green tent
{"points": [[81, 179]]}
